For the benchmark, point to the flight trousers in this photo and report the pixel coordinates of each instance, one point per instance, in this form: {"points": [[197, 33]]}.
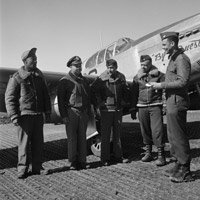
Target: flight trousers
{"points": [[176, 128], [76, 135], [111, 121], [30, 134], [151, 125]]}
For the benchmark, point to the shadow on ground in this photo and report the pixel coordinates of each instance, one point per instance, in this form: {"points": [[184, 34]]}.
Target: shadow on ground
{"points": [[131, 142]]}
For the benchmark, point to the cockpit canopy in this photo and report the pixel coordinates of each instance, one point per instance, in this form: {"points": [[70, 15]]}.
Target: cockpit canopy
{"points": [[111, 50]]}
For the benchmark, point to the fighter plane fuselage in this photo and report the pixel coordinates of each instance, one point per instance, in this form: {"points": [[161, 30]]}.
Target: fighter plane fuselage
{"points": [[127, 52]]}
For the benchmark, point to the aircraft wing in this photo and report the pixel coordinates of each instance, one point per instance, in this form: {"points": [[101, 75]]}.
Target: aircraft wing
{"points": [[52, 79]]}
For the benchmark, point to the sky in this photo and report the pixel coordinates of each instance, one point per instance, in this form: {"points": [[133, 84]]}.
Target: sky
{"points": [[60, 29]]}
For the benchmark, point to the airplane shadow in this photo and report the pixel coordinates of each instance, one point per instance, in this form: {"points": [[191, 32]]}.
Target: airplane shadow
{"points": [[131, 140], [133, 146]]}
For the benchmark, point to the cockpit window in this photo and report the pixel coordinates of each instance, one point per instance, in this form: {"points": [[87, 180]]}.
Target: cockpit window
{"points": [[101, 56], [115, 48], [91, 62], [122, 45], [109, 52]]}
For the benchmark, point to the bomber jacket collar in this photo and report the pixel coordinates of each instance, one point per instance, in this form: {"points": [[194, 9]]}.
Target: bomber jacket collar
{"points": [[153, 72], [23, 73], [175, 54], [105, 76], [76, 78]]}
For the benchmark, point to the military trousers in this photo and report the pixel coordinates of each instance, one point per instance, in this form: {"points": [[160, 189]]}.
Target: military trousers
{"points": [[30, 134], [76, 135], [110, 121], [151, 125], [176, 128]]}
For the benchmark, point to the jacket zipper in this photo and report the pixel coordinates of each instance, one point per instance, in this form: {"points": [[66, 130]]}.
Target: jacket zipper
{"points": [[35, 94]]}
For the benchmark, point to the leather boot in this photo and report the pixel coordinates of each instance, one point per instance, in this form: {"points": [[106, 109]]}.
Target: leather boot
{"points": [[161, 161], [182, 174], [148, 154], [169, 172]]}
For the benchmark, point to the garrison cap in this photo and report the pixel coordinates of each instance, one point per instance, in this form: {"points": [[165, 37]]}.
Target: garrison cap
{"points": [[28, 53], [111, 62], [144, 58], [74, 61], [168, 34]]}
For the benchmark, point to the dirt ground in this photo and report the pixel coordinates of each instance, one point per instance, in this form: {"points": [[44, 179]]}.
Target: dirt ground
{"points": [[133, 180]]}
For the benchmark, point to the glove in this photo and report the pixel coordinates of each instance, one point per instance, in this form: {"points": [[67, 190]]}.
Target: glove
{"points": [[133, 115]]}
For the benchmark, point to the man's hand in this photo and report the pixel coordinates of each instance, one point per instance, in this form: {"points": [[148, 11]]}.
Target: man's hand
{"points": [[65, 120], [97, 114], [133, 115], [155, 85], [16, 121]]}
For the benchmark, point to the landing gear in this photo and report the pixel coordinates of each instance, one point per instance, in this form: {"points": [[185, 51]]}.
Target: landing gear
{"points": [[96, 147]]}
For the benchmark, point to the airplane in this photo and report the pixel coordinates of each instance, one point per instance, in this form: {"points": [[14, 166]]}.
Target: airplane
{"points": [[127, 53]]}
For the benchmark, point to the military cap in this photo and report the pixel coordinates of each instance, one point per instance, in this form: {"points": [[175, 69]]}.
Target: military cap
{"points": [[74, 61], [144, 58], [111, 62], [168, 34], [28, 53]]}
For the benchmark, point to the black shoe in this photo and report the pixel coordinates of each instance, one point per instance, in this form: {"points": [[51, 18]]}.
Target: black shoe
{"points": [[147, 158], [73, 166], [161, 161], [183, 174], [169, 172], [22, 175], [105, 163], [83, 166], [32, 173], [148, 154], [38, 172], [42, 172], [120, 160]]}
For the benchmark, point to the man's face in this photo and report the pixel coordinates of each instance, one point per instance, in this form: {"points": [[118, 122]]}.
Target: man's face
{"points": [[111, 69], [31, 62], [76, 69], [167, 46], [146, 65]]}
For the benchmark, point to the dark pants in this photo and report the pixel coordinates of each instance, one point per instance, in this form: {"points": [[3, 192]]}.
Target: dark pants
{"points": [[151, 124], [110, 121], [176, 128], [76, 135], [30, 131]]}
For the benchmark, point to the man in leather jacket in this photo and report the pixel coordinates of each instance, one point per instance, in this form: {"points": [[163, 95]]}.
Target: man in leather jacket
{"points": [[27, 99], [110, 92], [149, 103], [74, 107]]}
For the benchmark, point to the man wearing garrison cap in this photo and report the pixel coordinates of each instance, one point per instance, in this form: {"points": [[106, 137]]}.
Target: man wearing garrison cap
{"points": [[177, 102], [27, 98], [74, 107], [148, 103], [110, 91]]}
